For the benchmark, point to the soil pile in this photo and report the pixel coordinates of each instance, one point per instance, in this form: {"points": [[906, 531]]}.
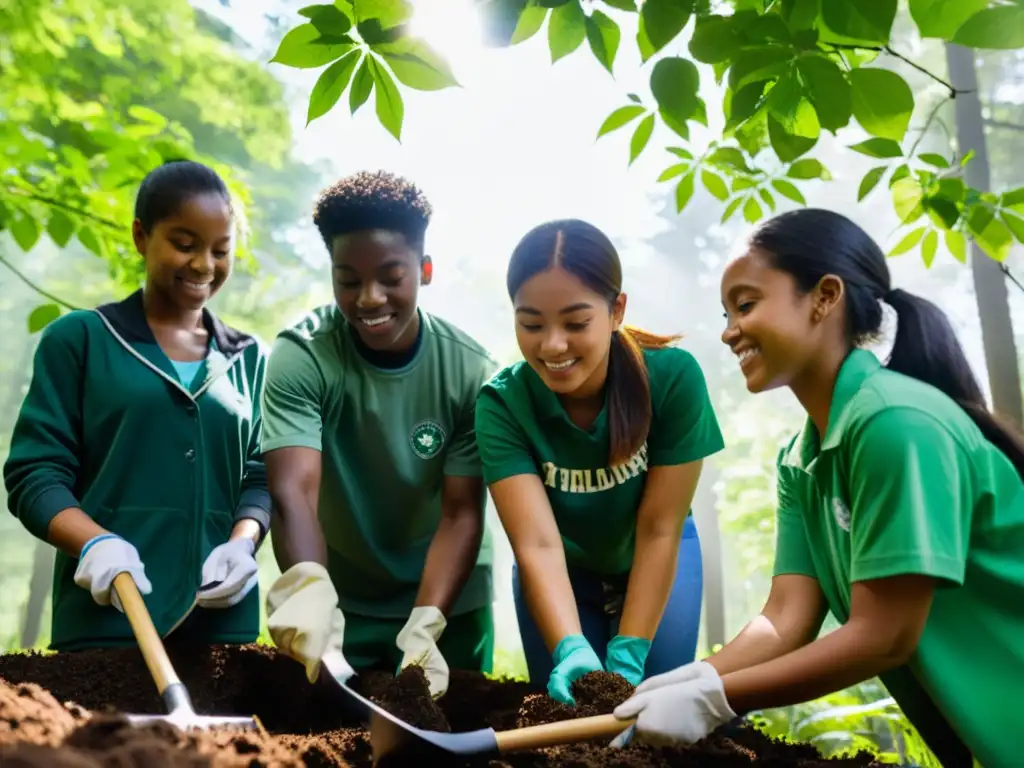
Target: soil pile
{"points": [[63, 711]]}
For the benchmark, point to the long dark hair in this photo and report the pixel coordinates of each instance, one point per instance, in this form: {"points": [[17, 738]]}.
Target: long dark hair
{"points": [[585, 252], [810, 243], [167, 187]]}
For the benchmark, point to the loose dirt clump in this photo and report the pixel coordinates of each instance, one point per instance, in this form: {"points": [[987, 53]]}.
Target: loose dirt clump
{"points": [[66, 711]]}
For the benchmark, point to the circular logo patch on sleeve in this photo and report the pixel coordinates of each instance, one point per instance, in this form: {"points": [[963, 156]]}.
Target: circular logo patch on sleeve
{"points": [[427, 439]]}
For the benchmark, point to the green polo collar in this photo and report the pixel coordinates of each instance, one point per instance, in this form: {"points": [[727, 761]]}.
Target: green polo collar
{"points": [[856, 368], [550, 408]]}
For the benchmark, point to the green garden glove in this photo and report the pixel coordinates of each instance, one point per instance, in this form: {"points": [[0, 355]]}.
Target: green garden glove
{"points": [[573, 659], [627, 656]]}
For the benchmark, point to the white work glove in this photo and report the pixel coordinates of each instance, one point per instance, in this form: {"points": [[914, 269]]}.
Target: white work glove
{"points": [[304, 619], [418, 643], [101, 559], [684, 705], [232, 565]]}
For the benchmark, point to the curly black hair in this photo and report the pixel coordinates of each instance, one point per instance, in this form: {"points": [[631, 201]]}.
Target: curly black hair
{"points": [[372, 200]]}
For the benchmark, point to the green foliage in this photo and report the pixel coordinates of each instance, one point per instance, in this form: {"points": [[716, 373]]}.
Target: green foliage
{"points": [[94, 97], [790, 69]]}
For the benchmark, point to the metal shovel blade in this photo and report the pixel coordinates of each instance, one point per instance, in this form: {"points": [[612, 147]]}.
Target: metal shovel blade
{"points": [[391, 736], [191, 722]]}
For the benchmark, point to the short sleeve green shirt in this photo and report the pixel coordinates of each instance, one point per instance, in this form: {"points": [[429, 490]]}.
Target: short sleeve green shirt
{"points": [[905, 483], [522, 428], [388, 438]]}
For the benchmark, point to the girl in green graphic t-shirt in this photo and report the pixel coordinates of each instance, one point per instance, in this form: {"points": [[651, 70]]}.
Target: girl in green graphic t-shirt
{"points": [[901, 509], [592, 448]]}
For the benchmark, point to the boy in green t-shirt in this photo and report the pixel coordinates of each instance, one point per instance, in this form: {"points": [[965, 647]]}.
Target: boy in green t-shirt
{"points": [[371, 456]]}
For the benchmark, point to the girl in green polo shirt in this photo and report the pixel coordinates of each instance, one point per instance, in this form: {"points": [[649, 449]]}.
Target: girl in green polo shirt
{"points": [[137, 446], [592, 447], [901, 509]]}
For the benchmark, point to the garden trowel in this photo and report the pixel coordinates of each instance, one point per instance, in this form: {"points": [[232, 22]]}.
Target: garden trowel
{"points": [[391, 737], [179, 703]]}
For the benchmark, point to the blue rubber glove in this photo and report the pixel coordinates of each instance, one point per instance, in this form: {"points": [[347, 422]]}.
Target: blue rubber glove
{"points": [[627, 656], [573, 658]]}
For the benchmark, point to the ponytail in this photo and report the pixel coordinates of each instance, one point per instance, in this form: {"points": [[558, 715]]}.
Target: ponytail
{"points": [[926, 348], [629, 390]]}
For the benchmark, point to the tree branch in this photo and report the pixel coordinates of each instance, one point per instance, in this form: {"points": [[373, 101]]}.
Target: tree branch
{"points": [[1010, 275], [927, 125], [889, 50], [54, 203], [45, 294]]}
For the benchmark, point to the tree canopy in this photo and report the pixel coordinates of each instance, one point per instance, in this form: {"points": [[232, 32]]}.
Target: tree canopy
{"points": [[787, 69]]}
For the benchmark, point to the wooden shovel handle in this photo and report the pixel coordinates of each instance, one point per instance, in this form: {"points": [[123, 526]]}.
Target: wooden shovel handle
{"points": [[565, 732], [148, 638]]}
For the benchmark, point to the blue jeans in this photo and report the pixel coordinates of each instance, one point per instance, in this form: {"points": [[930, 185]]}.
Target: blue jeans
{"points": [[599, 602]]}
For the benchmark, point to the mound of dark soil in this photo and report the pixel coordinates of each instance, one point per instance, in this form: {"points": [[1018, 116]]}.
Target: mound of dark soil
{"points": [[66, 711]]}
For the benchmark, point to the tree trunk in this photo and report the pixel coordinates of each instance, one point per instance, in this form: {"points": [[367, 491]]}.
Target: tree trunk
{"points": [[989, 283], [705, 515], [39, 588]]}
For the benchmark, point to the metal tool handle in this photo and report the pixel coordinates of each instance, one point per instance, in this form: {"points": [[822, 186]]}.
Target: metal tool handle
{"points": [[149, 641], [565, 732]]}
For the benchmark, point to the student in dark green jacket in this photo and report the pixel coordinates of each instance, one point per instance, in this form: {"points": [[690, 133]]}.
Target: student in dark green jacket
{"points": [[137, 446]]}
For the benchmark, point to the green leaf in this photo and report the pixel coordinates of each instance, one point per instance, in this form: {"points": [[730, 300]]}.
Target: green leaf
{"points": [[42, 316], [731, 209], [991, 235], [1014, 223], [714, 40], [787, 146], [328, 19], [634, 98], [619, 118], [681, 129], [901, 172], [740, 106], [417, 65], [906, 199], [60, 227], [755, 64], [800, 14], [787, 189], [999, 28], [929, 246], [870, 181], [567, 28], [880, 148], [643, 43], [909, 242], [362, 85], [390, 109], [641, 136], [933, 159], [298, 50], [867, 21], [603, 35], [622, 5], [729, 157], [674, 84], [944, 212], [685, 154], [713, 183], [768, 199], [330, 85], [25, 231], [674, 170], [390, 13], [942, 18], [87, 237], [1012, 197], [529, 23], [752, 210], [684, 192], [956, 243], [664, 19], [553, 3], [794, 113], [808, 168], [828, 91], [882, 102]]}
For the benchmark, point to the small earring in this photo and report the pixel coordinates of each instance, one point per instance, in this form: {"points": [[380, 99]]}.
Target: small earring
{"points": [[428, 271]]}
